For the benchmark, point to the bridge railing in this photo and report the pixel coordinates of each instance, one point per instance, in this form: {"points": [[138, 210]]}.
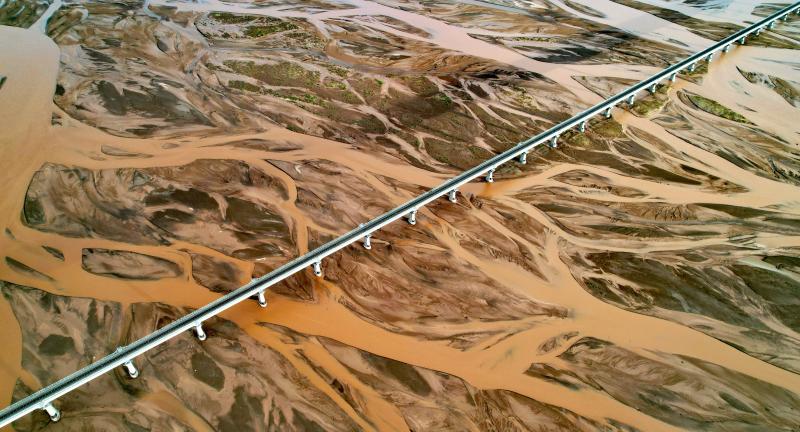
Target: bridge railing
{"points": [[43, 399]]}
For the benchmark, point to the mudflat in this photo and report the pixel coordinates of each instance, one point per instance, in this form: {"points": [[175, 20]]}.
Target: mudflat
{"points": [[644, 275]]}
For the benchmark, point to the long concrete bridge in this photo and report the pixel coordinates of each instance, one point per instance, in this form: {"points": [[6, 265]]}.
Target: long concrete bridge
{"points": [[124, 356]]}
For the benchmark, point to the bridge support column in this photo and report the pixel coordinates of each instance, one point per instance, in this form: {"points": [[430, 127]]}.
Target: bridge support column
{"points": [[412, 217], [710, 58], [673, 77], [582, 127], [608, 112], [727, 49], [653, 88], [367, 242], [554, 142], [523, 158], [758, 32], [743, 40], [52, 411], [490, 176], [772, 25], [452, 195], [262, 299], [131, 368], [631, 98], [317, 266], [692, 67], [198, 330]]}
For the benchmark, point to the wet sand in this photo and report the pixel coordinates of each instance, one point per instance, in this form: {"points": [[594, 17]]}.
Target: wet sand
{"points": [[642, 276]]}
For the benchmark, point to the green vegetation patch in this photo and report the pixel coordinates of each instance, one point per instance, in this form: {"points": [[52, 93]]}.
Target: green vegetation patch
{"points": [[372, 124], [608, 128], [229, 18], [338, 70], [297, 97], [421, 85], [719, 110], [21, 13], [281, 74], [459, 155], [256, 31], [244, 85]]}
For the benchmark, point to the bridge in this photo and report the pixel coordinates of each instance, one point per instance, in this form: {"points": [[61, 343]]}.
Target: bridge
{"points": [[124, 356]]}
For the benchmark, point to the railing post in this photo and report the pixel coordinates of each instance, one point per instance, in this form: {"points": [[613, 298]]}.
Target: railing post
{"points": [[582, 127], [198, 330], [317, 266], [452, 195], [490, 176], [132, 371], [412, 217], [52, 411], [262, 299], [523, 158]]}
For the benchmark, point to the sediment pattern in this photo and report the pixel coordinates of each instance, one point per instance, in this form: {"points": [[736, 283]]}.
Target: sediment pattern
{"points": [[644, 275]]}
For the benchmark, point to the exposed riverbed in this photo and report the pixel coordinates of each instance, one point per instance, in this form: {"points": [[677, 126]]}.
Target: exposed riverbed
{"points": [[643, 276]]}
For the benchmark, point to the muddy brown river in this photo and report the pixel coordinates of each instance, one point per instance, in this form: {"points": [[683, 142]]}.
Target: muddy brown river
{"points": [[642, 276]]}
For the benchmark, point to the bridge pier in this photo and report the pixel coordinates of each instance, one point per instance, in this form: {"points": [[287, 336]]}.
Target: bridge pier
{"points": [[412, 217], [198, 330], [262, 299], [554, 142], [743, 40], [131, 368], [608, 112], [317, 266], [653, 88], [710, 58], [367, 242], [727, 49], [673, 77], [582, 127], [52, 411], [772, 25], [523, 158], [490, 176], [631, 98], [692, 67], [452, 195]]}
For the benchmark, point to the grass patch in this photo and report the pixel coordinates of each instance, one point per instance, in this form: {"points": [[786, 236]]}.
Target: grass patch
{"points": [[608, 128], [338, 70], [297, 97], [280, 74], [244, 85], [229, 18], [277, 26], [719, 110]]}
